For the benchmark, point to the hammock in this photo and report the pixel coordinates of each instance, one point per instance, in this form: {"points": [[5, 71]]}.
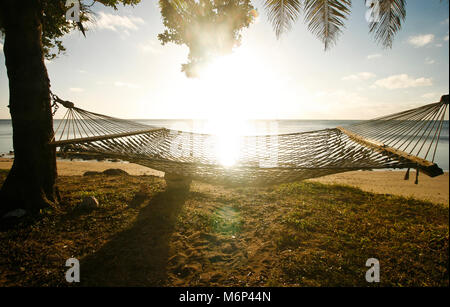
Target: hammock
{"points": [[408, 139]]}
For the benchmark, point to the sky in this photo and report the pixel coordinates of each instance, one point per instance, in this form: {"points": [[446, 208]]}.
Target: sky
{"points": [[121, 69]]}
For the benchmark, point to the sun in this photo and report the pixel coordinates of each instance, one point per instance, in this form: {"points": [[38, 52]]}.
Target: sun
{"points": [[232, 82]]}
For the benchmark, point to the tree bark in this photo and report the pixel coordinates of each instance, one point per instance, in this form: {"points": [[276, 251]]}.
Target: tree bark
{"points": [[31, 182]]}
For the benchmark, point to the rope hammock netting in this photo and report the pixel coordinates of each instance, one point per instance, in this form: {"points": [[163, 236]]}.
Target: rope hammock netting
{"points": [[407, 139]]}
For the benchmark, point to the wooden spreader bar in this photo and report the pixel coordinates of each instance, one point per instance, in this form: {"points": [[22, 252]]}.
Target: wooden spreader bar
{"points": [[103, 137], [429, 168]]}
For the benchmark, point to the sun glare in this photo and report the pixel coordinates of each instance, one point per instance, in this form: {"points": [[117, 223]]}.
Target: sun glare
{"points": [[228, 82], [228, 139]]}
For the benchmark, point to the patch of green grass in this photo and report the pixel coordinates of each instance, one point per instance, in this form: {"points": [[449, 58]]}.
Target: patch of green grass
{"points": [[226, 220], [335, 229]]}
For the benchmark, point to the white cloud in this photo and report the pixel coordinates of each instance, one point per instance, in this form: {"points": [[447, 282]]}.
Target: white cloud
{"points": [[125, 84], [429, 60], [359, 76], [1, 47], [118, 23], [445, 22], [373, 56], [76, 89], [446, 38], [401, 81], [421, 40]]}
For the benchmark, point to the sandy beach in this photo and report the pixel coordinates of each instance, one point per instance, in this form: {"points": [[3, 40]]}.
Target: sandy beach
{"points": [[383, 182]]}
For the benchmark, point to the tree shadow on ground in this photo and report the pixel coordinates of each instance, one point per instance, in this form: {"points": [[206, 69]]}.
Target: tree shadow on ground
{"points": [[137, 256]]}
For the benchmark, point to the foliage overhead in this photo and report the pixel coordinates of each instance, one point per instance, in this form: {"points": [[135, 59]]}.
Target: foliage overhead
{"points": [[326, 18], [282, 14], [212, 27], [209, 28], [392, 13], [55, 25]]}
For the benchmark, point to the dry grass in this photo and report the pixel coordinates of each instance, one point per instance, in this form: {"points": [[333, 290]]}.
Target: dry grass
{"points": [[299, 234]]}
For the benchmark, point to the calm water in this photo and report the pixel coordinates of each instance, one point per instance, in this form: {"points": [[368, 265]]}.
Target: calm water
{"points": [[249, 128]]}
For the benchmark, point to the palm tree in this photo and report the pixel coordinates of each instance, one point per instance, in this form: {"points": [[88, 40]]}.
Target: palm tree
{"points": [[325, 18]]}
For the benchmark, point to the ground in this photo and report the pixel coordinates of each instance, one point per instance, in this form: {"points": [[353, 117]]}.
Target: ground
{"points": [[298, 234]]}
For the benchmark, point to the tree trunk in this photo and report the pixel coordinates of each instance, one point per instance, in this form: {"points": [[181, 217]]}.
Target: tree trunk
{"points": [[31, 182]]}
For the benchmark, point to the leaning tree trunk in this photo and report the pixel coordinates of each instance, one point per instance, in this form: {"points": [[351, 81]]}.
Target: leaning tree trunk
{"points": [[31, 182]]}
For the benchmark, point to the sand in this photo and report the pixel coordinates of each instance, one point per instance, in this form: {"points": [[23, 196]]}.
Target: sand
{"points": [[435, 189], [385, 182], [78, 168]]}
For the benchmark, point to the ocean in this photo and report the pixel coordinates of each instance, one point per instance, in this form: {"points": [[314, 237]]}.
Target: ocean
{"points": [[254, 127]]}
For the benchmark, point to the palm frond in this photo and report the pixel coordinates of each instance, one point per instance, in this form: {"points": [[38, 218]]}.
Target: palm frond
{"points": [[282, 14], [388, 22], [325, 18]]}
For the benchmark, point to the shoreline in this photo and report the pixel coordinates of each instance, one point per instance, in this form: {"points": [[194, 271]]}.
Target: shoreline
{"points": [[435, 190]]}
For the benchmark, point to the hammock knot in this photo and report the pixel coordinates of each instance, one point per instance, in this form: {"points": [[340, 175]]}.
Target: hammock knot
{"points": [[65, 103]]}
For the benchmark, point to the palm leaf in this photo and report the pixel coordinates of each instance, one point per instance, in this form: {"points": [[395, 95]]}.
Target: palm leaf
{"points": [[389, 21], [325, 18], [282, 14]]}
